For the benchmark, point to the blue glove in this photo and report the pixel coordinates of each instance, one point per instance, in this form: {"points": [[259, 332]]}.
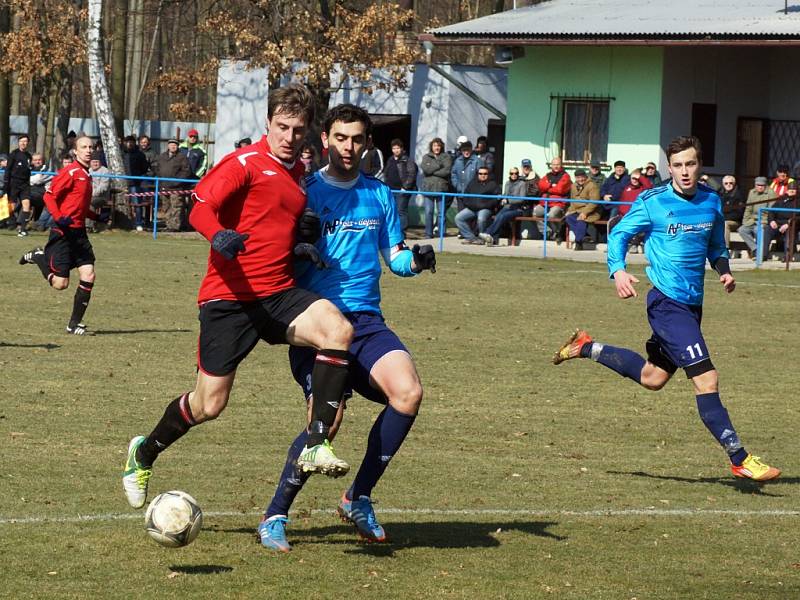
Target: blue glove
{"points": [[309, 252], [64, 221], [229, 243], [424, 257]]}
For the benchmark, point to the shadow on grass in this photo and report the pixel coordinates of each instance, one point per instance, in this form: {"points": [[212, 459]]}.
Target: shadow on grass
{"points": [[446, 534], [746, 486], [44, 346], [200, 569], [126, 331]]}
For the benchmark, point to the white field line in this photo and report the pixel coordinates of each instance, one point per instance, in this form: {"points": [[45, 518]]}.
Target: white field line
{"points": [[446, 512]]}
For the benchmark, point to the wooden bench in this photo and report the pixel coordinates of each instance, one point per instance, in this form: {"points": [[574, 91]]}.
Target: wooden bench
{"points": [[513, 241]]}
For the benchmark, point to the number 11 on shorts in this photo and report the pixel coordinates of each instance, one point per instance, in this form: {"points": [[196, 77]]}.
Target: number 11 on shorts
{"points": [[694, 350]]}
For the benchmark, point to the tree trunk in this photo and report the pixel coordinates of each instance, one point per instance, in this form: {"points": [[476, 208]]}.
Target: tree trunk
{"points": [[136, 73], [120, 21], [48, 146], [5, 89], [100, 93], [63, 111]]}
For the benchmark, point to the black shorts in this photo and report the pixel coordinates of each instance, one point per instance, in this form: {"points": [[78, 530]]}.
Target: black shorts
{"points": [[19, 190], [229, 330], [68, 249]]}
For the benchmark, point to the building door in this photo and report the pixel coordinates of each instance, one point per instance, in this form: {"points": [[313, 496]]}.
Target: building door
{"points": [[496, 141], [749, 151], [385, 128]]}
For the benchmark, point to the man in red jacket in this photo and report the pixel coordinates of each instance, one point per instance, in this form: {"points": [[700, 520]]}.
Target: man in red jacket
{"points": [[68, 201], [555, 184]]}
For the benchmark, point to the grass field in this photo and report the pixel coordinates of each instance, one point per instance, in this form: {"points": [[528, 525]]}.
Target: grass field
{"points": [[519, 479]]}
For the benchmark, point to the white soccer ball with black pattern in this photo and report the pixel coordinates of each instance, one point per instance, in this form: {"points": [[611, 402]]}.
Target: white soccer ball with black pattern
{"points": [[173, 519]]}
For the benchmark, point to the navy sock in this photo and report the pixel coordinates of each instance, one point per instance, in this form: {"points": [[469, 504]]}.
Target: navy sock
{"points": [[385, 438], [715, 418], [291, 482], [625, 362]]}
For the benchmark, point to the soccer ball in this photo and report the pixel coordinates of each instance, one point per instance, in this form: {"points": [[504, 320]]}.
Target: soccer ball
{"points": [[173, 519]]}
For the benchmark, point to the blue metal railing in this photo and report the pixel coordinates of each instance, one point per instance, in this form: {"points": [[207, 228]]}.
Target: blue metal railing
{"points": [[533, 199]]}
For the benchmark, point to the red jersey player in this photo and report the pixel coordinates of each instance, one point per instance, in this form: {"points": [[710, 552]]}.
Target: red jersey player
{"points": [[69, 247], [250, 207]]}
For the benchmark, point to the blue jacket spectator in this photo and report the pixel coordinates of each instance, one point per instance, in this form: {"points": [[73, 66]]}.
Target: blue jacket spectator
{"points": [[614, 185], [465, 167]]}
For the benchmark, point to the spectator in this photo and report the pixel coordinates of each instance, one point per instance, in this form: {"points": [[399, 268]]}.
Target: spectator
{"points": [[581, 214], [596, 175], [401, 174], [436, 166], [149, 152], [612, 187], [732, 207], [780, 184], [69, 145], [780, 223], [98, 148], [460, 141], [173, 164], [39, 182], [197, 157], [45, 220], [709, 181], [372, 162], [759, 196], [101, 186], [243, 143], [530, 177], [515, 205], [652, 174], [308, 156], [636, 185], [479, 209], [18, 185], [555, 184], [465, 166], [136, 165], [486, 157]]}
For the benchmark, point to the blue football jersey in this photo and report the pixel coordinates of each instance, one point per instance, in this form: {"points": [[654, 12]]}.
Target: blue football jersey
{"points": [[359, 224], [680, 233]]}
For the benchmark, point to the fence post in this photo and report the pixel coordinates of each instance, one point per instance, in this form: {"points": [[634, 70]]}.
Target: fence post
{"points": [[759, 237], [442, 221], [545, 233], [155, 211]]}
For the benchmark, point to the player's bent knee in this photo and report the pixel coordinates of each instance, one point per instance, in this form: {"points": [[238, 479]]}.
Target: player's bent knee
{"points": [[407, 399], [59, 283], [655, 381], [211, 406]]}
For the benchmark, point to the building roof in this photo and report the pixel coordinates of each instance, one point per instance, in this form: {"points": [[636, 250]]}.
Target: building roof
{"points": [[632, 22]]}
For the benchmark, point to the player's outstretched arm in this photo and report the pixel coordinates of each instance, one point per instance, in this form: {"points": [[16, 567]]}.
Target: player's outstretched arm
{"points": [[624, 282], [723, 268]]}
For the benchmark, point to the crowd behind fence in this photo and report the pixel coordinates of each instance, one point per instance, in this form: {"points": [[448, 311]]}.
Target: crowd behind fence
{"points": [[139, 199]]}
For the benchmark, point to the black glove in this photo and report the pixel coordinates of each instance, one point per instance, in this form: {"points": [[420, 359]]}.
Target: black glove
{"points": [[309, 227], [424, 257], [64, 221], [309, 252], [229, 243]]}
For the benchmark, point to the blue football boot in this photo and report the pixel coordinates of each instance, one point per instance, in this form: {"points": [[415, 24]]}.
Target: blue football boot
{"points": [[361, 514], [272, 533]]}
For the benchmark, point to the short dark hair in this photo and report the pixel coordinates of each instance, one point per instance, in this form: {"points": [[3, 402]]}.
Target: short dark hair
{"points": [[783, 169], [129, 138], [481, 138], [347, 113], [23, 136], [684, 142], [397, 142], [293, 100]]}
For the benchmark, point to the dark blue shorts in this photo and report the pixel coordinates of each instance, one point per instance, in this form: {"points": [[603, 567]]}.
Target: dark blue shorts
{"points": [[372, 340], [677, 341]]}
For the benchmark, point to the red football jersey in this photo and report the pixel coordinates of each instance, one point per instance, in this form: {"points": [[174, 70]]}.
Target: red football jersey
{"points": [[252, 192], [70, 194]]}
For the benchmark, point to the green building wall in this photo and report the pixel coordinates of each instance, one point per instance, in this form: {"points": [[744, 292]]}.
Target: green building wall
{"points": [[631, 75]]}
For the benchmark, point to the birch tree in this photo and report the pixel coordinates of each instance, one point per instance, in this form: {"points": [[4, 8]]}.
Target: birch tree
{"points": [[100, 92]]}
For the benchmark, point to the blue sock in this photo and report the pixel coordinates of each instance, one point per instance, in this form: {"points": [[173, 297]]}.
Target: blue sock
{"points": [[292, 480], [385, 439], [625, 362], [717, 421]]}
